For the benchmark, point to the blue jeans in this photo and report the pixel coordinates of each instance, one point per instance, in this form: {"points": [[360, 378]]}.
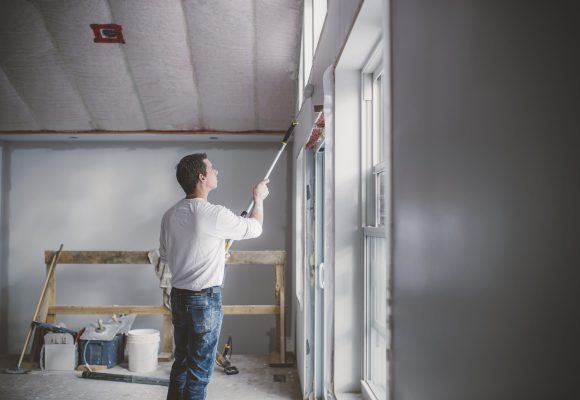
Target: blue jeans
{"points": [[197, 321]]}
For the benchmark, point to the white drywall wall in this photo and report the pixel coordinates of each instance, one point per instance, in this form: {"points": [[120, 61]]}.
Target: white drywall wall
{"points": [[96, 196]]}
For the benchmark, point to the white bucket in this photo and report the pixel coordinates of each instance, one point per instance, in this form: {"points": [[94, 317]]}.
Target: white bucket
{"points": [[143, 346]]}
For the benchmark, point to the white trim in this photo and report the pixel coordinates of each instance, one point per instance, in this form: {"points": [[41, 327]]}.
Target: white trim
{"points": [[299, 232], [348, 238], [366, 391], [388, 159], [349, 251], [374, 60], [366, 153]]}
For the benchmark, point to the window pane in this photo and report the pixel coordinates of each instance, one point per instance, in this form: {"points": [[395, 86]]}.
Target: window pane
{"points": [[378, 128], [318, 19], [377, 315], [380, 201], [300, 75], [308, 35]]}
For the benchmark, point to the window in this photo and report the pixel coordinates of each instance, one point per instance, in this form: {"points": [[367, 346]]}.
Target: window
{"points": [[376, 333], [373, 159], [312, 23], [378, 144], [319, 8]]}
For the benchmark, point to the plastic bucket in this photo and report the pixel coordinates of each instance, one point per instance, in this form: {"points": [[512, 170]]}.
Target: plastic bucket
{"points": [[143, 346]]}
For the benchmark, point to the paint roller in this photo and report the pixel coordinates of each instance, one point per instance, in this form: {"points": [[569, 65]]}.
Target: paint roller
{"points": [[282, 147]]}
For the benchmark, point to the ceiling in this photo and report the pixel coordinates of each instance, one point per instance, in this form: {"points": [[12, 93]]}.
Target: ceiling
{"points": [[186, 66]]}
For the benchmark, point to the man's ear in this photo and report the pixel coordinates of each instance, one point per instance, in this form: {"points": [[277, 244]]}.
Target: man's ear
{"points": [[201, 177]]}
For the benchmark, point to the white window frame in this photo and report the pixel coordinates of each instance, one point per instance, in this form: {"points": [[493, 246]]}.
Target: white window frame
{"points": [[375, 163], [299, 249], [369, 121]]}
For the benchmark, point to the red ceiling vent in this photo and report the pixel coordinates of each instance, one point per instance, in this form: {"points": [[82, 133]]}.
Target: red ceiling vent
{"points": [[108, 33]]}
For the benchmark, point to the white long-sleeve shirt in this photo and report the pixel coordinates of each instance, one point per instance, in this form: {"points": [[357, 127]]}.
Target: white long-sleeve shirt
{"points": [[192, 241]]}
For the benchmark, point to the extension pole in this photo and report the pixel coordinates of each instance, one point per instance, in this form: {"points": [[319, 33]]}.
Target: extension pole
{"points": [[55, 258], [284, 143]]}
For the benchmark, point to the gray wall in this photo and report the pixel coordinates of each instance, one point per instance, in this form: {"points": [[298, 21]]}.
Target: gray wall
{"points": [[3, 249], [98, 196], [486, 199]]}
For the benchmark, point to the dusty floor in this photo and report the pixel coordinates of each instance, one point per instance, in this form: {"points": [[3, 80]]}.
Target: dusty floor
{"points": [[255, 381]]}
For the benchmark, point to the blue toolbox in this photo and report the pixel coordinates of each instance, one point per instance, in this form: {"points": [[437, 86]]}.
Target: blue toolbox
{"points": [[104, 343]]}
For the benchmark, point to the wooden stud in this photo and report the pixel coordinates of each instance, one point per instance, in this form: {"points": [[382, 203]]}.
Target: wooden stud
{"points": [[281, 303], [251, 310], [161, 310], [50, 295], [167, 334]]}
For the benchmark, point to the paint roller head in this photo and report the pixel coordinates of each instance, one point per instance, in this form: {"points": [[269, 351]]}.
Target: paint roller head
{"points": [[289, 131]]}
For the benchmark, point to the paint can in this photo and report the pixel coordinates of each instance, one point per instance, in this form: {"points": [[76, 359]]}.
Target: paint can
{"points": [[143, 347]]}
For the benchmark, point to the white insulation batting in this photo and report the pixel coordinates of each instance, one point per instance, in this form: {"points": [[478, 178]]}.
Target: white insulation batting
{"points": [[36, 71], [185, 65], [277, 46], [224, 61]]}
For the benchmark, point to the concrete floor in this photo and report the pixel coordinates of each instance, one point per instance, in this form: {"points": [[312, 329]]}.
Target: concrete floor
{"points": [[255, 381]]}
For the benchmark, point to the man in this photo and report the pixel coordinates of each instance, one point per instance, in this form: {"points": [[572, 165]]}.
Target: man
{"points": [[192, 242]]}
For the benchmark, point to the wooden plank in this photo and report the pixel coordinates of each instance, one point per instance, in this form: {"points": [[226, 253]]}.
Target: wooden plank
{"points": [[270, 257], [108, 310], [251, 310], [100, 257], [231, 310]]}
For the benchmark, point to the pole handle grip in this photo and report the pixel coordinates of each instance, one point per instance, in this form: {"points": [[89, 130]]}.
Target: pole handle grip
{"points": [[289, 132]]}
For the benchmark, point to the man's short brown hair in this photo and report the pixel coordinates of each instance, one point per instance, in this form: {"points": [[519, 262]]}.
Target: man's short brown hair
{"points": [[188, 170]]}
